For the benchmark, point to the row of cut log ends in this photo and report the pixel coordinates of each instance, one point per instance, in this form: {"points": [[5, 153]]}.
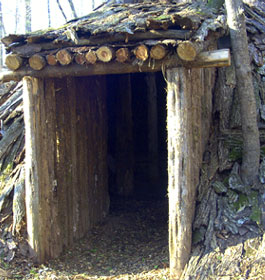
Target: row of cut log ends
{"points": [[186, 50]]}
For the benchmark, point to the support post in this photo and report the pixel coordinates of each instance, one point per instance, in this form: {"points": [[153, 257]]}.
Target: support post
{"points": [[184, 159], [124, 136]]}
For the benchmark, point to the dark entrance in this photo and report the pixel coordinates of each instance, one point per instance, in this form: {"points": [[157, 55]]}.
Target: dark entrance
{"points": [[137, 105]]}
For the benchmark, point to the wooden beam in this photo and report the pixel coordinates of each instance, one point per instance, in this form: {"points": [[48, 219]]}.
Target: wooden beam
{"points": [[217, 58], [185, 90]]}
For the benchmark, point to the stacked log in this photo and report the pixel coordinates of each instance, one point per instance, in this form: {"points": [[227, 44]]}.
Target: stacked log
{"points": [[187, 52]]}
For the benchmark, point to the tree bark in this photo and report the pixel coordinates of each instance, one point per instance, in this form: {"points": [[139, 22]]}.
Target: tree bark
{"points": [[251, 144]]}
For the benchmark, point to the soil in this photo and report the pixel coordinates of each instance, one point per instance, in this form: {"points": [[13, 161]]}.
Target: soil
{"points": [[132, 243]]}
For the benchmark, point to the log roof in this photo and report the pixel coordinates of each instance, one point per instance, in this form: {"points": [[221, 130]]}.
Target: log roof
{"points": [[115, 26]]}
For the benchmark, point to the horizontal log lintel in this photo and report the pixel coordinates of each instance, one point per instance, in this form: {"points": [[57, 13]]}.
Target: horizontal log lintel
{"points": [[217, 58]]}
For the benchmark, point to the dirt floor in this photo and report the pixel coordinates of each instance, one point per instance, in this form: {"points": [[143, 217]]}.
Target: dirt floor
{"points": [[132, 243]]}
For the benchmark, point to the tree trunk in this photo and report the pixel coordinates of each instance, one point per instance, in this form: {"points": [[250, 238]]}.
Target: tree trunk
{"points": [[28, 15], [251, 144], [61, 9], [72, 8], [49, 13]]}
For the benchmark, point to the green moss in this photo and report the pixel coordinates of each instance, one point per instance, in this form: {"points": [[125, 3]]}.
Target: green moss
{"points": [[162, 17], [235, 153], [256, 211], [241, 203], [5, 174]]}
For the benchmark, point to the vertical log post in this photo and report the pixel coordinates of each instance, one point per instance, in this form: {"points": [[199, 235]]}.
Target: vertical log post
{"points": [[152, 129], [184, 157], [41, 201], [124, 134]]}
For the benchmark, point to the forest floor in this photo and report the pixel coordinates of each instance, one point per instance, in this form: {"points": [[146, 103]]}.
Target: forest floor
{"points": [[132, 243]]}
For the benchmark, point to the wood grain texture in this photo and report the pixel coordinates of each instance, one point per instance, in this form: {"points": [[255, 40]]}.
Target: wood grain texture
{"points": [[66, 168]]}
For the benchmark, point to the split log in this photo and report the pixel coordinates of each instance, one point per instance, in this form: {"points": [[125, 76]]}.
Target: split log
{"points": [[64, 57], [51, 59], [37, 62], [80, 58], [158, 52], [188, 50], [13, 61], [91, 57], [105, 54], [122, 55], [141, 52]]}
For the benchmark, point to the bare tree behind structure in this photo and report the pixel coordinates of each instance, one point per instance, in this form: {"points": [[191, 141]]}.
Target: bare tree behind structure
{"points": [[72, 8], [28, 15], [2, 34], [49, 13], [16, 17], [61, 9], [239, 40]]}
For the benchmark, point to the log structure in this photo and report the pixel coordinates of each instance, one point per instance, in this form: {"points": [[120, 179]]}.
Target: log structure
{"points": [[68, 119], [91, 57], [122, 55], [105, 54], [65, 113], [186, 90], [64, 57], [158, 52], [51, 59], [37, 62], [13, 61], [141, 52]]}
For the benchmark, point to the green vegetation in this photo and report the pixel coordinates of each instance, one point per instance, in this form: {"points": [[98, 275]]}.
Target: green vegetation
{"points": [[4, 175]]}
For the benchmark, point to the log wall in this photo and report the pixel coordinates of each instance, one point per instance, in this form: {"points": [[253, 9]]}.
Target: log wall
{"points": [[66, 160], [189, 95]]}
